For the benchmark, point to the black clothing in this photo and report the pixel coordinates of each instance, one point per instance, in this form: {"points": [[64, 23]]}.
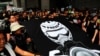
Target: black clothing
{"points": [[68, 45], [7, 27], [91, 29], [5, 52], [19, 40], [21, 19]]}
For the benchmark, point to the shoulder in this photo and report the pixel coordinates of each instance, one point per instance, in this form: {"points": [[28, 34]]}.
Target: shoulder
{"points": [[11, 44]]}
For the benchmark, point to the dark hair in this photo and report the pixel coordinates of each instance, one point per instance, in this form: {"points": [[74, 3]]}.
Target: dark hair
{"points": [[98, 17], [93, 17], [4, 33]]}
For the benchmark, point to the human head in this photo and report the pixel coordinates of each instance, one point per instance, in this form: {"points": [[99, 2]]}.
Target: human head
{"points": [[3, 39], [94, 18], [16, 27], [12, 19]]}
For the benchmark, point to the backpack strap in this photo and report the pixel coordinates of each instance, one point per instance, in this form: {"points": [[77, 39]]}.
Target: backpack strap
{"points": [[9, 49]]}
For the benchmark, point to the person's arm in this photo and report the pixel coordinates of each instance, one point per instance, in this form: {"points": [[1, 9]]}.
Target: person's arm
{"points": [[83, 26], [8, 36], [99, 37], [28, 40], [22, 52], [94, 36]]}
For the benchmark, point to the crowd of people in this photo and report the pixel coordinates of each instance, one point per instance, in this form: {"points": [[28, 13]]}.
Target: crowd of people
{"points": [[88, 20]]}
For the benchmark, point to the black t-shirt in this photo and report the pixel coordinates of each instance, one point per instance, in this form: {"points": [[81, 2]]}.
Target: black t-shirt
{"points": [[45, 32], [91, 28], [19, 40], [7, 27], [5, 52]]}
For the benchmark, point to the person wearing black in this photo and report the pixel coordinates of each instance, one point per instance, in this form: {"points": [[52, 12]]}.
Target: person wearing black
{"points": [[24, 17], [98, 21], [98, 32], [9, 49], [92, 31], [21, 38]]}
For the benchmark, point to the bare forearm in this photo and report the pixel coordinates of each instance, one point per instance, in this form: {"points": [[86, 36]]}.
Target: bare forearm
{"points": [[22, 52], [25, 53], [95, 33]]}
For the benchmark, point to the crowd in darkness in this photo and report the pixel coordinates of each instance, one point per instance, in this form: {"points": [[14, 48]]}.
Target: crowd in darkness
{"points": [[86, 19]]}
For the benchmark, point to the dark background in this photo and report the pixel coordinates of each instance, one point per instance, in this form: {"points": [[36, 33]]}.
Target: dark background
{"points": [[5, 0], [61, 3], [75, 3]]}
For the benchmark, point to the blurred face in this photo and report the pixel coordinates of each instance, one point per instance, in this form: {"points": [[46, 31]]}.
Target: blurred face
{"points": [[24, 14], [2, 41], [95, 18], [33, 13], [12, 19], [76, 13], [18, 31]]}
